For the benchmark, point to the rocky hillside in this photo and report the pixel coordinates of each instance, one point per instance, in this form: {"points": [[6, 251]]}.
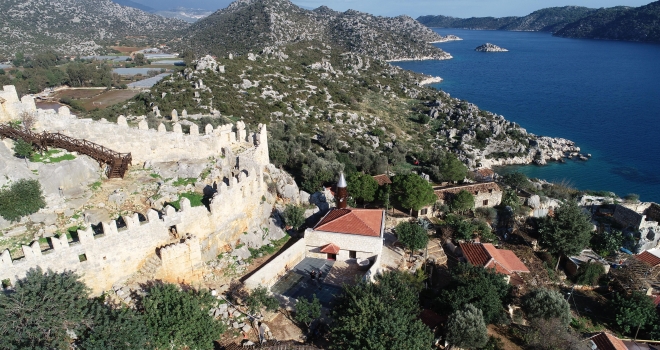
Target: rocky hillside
{"points": [[618, 23], [546, 20], [251, 25], [328, 110], [76, 26]]}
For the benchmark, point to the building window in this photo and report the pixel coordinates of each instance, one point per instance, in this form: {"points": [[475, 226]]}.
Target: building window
{"points": [[352, 254], [332, 256], [424, 211], [485, 202], [82, 257]]}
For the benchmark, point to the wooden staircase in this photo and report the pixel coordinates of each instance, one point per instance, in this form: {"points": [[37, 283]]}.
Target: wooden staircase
{"points": [[118, 163]]}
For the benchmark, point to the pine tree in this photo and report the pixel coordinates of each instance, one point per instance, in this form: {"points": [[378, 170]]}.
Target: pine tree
{"points": [[567, 232]]}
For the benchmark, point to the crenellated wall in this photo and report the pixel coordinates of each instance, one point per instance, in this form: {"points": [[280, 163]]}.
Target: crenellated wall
{"points": [[159, 145], [11, 107], [114, 254]]}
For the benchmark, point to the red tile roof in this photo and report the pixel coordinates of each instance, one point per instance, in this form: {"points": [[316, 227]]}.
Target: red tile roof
{"points": [[364, 222], [330, 249], [486, 255], [382, 179], [649, 259], [485, 172], [607, 341]]}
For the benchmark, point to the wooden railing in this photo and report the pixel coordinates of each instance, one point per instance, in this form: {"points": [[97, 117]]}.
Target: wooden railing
{"points": [[117, 162]]}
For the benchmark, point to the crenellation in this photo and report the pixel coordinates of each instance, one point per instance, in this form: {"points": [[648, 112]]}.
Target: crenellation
{"points": [[194, 130], [177, 129], [110, 227], [86, 236], [5, 258], [208, 129], [161, 128]]}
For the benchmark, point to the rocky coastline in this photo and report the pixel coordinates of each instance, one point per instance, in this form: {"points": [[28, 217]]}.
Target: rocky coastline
{"points": [[430, 80], [447, 38], [488, 47], [439, 57]]}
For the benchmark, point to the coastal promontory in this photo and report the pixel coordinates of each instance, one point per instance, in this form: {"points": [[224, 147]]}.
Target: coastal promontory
{"points": [[488, 47]]}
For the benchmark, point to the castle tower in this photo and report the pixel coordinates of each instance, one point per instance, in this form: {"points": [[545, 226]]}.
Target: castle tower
{"points": [[342, 192]]}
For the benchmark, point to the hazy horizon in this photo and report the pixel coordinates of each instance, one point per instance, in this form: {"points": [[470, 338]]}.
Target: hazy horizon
{"points": [[416, 8]]}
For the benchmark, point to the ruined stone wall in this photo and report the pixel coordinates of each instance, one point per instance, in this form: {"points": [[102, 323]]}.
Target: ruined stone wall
{"points": [[146, 144], [11, 107], [628, 218]]}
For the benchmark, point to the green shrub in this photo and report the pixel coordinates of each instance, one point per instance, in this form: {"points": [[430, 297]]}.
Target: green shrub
{"points": [[589, 274], [22, 198]]}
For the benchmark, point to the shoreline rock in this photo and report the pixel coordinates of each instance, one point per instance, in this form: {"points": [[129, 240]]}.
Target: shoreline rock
{"points": [[488, 47], [447, 38], [445, 56], [430, 80]]}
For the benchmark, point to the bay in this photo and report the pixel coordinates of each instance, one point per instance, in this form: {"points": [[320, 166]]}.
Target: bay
{"points": [[604, 95]]}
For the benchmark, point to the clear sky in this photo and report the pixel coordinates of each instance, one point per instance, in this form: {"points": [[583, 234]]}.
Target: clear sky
{"points": [[415, 8]]}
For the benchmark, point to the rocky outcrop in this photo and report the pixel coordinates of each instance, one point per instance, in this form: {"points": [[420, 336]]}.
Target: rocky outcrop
{"points": [[488, 47]]}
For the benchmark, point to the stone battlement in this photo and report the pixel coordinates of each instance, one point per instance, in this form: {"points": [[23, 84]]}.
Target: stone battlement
{"points": [[11, 107], [113, 253], [157, 145]]}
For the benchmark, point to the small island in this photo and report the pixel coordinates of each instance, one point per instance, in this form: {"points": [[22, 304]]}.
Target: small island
{"points": [[488, 47]]}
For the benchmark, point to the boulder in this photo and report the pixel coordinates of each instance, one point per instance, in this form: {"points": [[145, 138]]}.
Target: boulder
{"points": [[44, 218]]}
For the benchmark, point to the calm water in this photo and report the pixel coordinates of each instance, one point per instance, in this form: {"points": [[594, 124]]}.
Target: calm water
{"points": [[604, 95]]}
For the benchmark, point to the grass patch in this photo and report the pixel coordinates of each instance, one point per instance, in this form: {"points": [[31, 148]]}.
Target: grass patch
{"points": [[95, 186], [155, 176], [194, 198], [49, 157], [184, 181], [268, 249]]}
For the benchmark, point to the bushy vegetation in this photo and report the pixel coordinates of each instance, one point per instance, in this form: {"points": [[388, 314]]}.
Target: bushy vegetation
{"points": [[412, 235], [466, 328], [365, 316], [294, 216], [567, 232], [546, 304], [589, 273], [45, 309], [485, 289], [23, 197]]}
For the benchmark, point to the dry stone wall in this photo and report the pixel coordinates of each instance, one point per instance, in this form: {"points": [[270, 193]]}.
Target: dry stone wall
{"points": [[271, 272]]}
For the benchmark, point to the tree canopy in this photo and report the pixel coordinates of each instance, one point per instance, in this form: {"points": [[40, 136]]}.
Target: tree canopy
{"points": [[362, 187], [110, 328], [567, 232], [23, 149], [476, 285], [510, 198], [180, 318], [462, 202], [366, 316], [294, 216], [631, 312], [451, 168], [412, 235], [607, 243], [259, 299], [307, 310], [546, 304], [466, 328], [413, 192], [23, 197], [516, 180], [40, 310]]}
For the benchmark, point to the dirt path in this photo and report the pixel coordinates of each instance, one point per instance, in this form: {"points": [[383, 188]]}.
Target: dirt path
{"points": [[508, 344]]}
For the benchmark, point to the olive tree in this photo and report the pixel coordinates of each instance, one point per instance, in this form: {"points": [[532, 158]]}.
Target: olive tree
{"points": [[466, 328], [546, 304]]}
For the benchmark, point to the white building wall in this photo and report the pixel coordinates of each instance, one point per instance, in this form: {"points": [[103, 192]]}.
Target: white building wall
{"points": [[364, 246]]}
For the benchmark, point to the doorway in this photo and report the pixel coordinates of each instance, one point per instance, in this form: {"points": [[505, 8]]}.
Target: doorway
{"points": [[332, 257]]}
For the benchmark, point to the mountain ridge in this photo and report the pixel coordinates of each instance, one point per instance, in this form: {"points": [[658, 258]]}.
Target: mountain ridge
{"points": [[250, 25], [77, 27], [614, 23]]}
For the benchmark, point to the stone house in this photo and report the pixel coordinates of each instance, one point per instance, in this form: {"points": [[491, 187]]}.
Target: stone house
{"points": [[573, 263], [487, 194], [344, 234], [503, 261]]}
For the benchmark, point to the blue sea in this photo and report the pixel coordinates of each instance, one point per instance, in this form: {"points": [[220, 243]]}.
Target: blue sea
{"points": [[604, 95]]}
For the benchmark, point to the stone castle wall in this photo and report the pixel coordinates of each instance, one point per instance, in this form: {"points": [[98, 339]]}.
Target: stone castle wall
{"points": [[115, 254], [11, 107], [237, 206], [146, 144]]}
